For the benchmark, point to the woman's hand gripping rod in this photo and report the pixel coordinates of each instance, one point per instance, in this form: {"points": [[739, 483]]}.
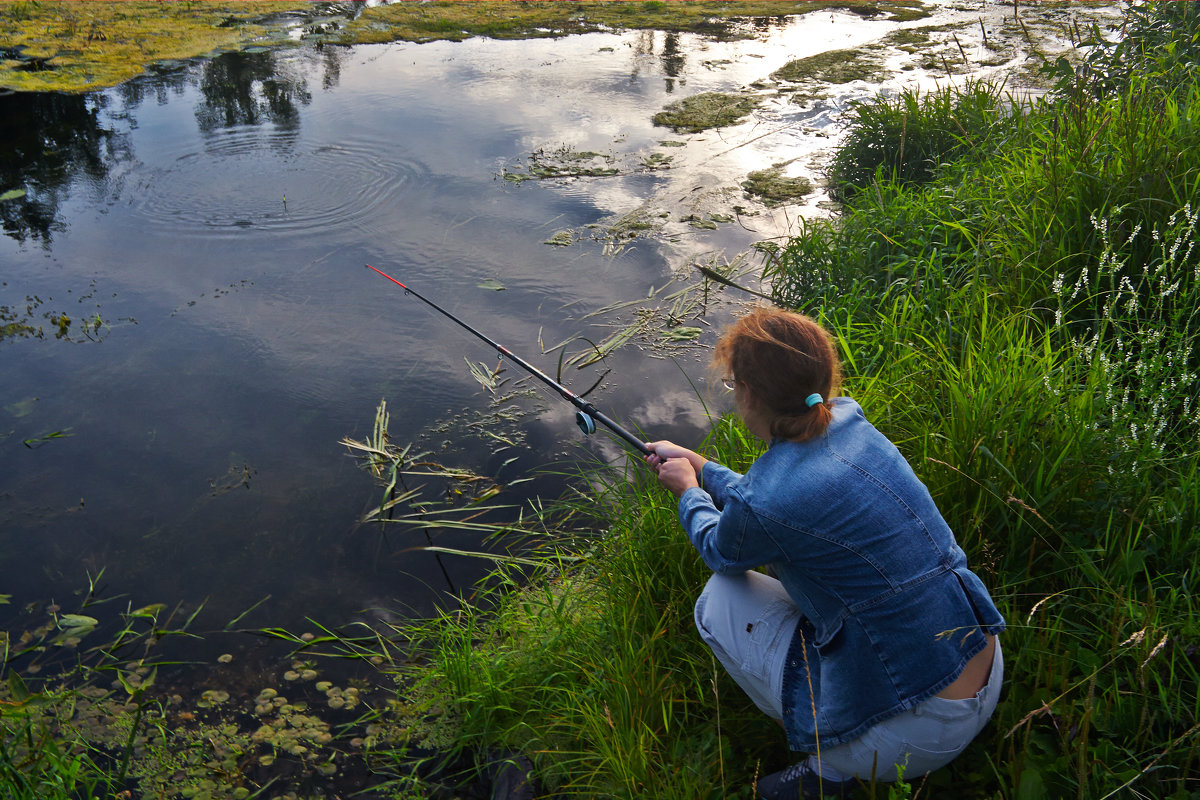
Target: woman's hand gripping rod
{"points": [[586, 416]]}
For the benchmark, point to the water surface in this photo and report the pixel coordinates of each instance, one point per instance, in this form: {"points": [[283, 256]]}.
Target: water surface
{"points": [[214, 217]]}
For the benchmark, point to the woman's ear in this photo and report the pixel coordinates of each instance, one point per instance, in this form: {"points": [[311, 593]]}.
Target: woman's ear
{"points": [[752, 413]]}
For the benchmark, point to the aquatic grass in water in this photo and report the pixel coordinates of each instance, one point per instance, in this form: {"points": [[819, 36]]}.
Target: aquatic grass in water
{"points": [[592, 671]]}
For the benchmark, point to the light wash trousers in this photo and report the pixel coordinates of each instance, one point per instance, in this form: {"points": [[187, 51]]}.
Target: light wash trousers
{"points": [[748, 621]]}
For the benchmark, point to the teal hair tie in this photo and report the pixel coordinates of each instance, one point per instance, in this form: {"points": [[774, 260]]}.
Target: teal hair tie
{"points": [[814, 399]]}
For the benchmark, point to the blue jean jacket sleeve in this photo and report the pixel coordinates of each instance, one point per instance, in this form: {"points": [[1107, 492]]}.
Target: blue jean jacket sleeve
{"points": [[717, 480], [726, 535]]}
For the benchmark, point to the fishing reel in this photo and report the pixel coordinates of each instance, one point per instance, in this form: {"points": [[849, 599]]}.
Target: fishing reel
{"points": [[585, 423]]}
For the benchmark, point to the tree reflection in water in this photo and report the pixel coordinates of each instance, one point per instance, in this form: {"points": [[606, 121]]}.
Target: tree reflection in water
{"points": [[46, 141], [49, 140], [250, 89]]}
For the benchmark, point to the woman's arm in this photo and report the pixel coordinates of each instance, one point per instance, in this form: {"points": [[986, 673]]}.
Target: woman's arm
{"points": [[729, 541]]}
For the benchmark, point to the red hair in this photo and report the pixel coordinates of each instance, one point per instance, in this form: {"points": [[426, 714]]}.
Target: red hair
{"points": [[783, 357]]}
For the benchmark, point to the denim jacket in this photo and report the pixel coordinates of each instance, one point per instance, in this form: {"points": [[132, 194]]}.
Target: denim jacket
{"points": [[891, 613]]}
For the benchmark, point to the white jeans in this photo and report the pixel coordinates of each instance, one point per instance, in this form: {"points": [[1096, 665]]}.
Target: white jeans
{"points": [[748, 621]]}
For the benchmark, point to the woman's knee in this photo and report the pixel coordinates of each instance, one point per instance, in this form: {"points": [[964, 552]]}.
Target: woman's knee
{"points": [[736, 611]]}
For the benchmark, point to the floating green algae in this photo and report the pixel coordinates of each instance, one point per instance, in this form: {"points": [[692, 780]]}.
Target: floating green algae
{"points": [[773, 189], [833, 67], [705, 110]]}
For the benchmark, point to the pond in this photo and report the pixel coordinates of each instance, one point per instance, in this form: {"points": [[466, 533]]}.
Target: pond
{"points": [[191, 246]]}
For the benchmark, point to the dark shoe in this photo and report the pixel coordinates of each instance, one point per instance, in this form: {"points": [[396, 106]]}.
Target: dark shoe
{"points": [[800, 782]]}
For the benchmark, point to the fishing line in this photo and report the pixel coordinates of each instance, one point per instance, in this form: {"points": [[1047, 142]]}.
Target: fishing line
{"points": [[586, 414]]}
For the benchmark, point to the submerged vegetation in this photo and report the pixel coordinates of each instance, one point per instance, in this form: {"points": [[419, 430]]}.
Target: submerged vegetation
{"points": [[774, 188], [832, 67]]}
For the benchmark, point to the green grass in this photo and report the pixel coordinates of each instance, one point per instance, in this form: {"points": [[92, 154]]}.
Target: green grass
{"points": [[1015, 293], [907, 138]]}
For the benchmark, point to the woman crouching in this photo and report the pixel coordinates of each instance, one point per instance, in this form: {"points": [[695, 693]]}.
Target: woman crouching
{"points": [[874, 645]]}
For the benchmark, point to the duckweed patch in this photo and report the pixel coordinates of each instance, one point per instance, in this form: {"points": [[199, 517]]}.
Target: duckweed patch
{"points": [[69, 685], [209, 748], [773, 188], [706, 110]]}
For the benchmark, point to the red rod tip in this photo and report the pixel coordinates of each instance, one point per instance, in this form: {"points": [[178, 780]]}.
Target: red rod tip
{"points": [[389, 277]]}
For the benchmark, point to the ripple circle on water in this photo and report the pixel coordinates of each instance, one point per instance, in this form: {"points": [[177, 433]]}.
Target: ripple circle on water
{"points": [[249, 178]]}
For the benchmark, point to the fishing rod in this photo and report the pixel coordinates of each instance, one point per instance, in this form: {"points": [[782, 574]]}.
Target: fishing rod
{"points": [[586, 415]]}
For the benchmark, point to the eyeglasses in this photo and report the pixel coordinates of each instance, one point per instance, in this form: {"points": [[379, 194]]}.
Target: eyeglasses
{"points": [[729, 383]]}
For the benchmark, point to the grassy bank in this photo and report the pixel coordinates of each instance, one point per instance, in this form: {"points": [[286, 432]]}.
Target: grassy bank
{"points": [[1015, 289]]}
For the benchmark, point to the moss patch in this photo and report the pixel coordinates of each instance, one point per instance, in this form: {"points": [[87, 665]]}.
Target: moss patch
{"points": [[773, 189], [66, 45], [706, 110], [833, 67]]}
